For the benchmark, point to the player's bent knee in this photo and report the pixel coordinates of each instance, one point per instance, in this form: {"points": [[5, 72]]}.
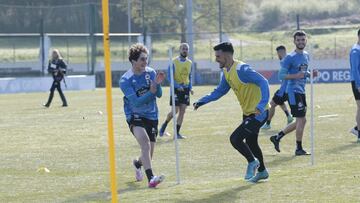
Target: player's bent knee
{"points": [[145, 146], [301, 120], [182, 112], [235, 140], [238, 135]]}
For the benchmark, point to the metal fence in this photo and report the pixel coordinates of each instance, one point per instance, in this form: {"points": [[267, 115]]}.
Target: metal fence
{"points": [[81, 47]]}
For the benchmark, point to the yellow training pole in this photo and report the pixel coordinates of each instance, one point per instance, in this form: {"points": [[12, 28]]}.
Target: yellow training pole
{"points": [[108, 83]]}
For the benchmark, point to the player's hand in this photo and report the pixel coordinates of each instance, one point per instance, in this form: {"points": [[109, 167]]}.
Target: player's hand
{"points": [[191, 92], [180, 89], [153, 87], [257, 112], [196, 105], [160, 77]]}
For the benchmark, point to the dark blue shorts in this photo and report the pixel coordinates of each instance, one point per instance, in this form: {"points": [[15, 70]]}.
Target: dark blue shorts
{"points": [[297, 104], [181, 97], [151, 126], [280, 100]]}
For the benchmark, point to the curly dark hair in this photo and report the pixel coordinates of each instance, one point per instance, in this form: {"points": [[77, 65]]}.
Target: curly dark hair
{"points": [[135, 51]]}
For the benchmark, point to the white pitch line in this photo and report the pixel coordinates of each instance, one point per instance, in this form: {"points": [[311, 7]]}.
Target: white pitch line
{"points": [[329, 116]]}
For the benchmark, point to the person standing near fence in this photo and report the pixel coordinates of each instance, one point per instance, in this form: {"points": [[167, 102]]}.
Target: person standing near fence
{"points": [[355, 82], [141, 86], [182, 85], [57, 68], [294, 68], [280, 96], [252, 92]]}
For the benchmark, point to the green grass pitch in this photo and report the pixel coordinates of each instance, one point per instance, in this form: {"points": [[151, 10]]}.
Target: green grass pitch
{"points": [[72, 143]]}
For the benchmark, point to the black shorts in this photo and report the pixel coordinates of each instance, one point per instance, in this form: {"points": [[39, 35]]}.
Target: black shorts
{"points": [[278, 99], [355, 91], [151, 126], [252, 125], [181, 97], [297, 104]]}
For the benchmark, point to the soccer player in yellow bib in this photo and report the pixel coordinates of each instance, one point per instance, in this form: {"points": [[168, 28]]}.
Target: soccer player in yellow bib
{"points": [[183, 88], [252, 91]]}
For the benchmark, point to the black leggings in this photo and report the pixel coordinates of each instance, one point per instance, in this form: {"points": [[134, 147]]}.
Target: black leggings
{"points": [[248, 130], [56, 85]]}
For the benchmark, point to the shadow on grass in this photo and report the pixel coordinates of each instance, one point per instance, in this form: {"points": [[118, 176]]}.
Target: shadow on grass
{"points": [[106, 196], [279, 160], [343, 147], [268, 133], [165, 140], [229, 195]]}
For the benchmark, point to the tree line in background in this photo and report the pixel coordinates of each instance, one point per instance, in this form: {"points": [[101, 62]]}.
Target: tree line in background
{"points": [[164, 16], [169, 16]]}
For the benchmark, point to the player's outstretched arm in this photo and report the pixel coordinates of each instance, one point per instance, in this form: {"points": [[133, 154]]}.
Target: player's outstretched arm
{"points": [[217, 93], [197, 104]]}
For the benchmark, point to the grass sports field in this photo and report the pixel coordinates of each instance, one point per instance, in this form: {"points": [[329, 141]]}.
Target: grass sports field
{"points": [[72, 143]]}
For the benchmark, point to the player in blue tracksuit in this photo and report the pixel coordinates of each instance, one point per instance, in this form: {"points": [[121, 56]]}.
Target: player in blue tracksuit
{"points": [[295, 70], [280, 96], [141, 87], [252, 92], [355, 82]]}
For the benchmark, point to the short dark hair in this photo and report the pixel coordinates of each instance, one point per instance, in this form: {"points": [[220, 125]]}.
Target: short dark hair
{"points": [[281, 47], [135, 51], [225, 47], [299, 33], [359, 32]]}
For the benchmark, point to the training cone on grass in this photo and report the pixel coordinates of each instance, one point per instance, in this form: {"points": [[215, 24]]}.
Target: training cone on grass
{"points": [[43, 170]]}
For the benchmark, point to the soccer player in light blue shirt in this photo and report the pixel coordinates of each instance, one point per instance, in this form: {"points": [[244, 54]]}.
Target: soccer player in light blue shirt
{"points": [[280, 96], [141, 87], [295, 69], [355, 82]]}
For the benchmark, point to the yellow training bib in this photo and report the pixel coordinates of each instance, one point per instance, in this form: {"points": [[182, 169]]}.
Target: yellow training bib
{"points": [[248, 94], [182, 71]]}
